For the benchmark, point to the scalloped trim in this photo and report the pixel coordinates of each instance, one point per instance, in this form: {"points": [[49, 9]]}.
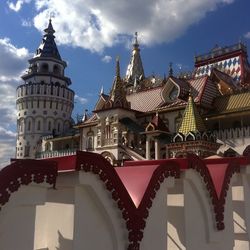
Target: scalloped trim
{"points": [[135, 218], [23, 172]]}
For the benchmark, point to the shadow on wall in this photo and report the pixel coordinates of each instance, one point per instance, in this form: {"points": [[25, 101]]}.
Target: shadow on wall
{"points": [[64, 244]]}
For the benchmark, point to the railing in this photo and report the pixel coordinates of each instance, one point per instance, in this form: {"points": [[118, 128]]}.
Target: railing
{"points": [[232, 133], [220, 51], [56, 153]]}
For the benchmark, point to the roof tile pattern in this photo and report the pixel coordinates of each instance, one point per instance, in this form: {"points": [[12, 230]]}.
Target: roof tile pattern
{"points": [[233, 103], [192, 120], [146, 100]]}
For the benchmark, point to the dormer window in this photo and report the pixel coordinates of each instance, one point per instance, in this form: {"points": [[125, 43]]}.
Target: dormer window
{"points": [[173, 94]]}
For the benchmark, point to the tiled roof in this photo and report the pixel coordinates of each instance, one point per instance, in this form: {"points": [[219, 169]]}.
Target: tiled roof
{"points": [[232, 103], [191, 120], [183, 85], [146, 100], [48, 46], [177, 103], [225, 77], [197, 87]]}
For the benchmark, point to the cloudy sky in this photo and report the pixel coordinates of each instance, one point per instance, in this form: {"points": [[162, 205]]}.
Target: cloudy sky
{"points": [[91, 33]]}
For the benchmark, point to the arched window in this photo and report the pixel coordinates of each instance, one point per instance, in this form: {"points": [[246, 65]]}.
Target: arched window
{"points": [[39, 125], [45, 67], [190, 138], [59, 127], [90, 141], [29, 125], [56, 70], [47, 146], [49, 125]]}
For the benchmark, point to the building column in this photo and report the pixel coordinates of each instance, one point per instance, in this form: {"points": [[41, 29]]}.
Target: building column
{"points": [[157, 149], [167, 153], [148, 148]]}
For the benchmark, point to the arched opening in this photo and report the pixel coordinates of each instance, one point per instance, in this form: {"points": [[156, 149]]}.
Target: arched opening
{"points": [[190, 137], [47, 146], [56, 69], [45, 68], [38, 125], [49, 125], [90, 141]]}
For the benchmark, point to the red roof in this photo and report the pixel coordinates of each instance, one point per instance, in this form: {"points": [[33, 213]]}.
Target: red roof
{"points": [[147, 100]]}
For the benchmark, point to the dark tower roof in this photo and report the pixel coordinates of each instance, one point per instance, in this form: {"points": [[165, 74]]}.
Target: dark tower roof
{"points": [[48, 46]]}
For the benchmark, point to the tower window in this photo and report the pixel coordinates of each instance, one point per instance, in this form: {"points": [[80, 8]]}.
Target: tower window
{"points": [[29, 125], [56, 70], [45, 67], [49, 126], [39, 125], [58, 127]]}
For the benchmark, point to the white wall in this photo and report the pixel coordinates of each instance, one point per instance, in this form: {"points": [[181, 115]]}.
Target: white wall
{"points": [[81, 214]]}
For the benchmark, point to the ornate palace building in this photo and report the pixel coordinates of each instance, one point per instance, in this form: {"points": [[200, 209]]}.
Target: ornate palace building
{"points": [[205, 112], [165, 186], [143, 117]]}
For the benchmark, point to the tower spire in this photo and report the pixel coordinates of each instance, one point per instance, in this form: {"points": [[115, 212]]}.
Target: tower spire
{"points": [[135, 67], [117, 68], [117, 96], [48, 46], [170, 72]]}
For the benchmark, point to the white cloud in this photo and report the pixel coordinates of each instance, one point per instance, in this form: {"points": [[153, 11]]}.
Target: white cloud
{"points": [[106, 59], [15, 60], [97, 24], [247, 35], [13, 65], [80, 99], [18, 5]]}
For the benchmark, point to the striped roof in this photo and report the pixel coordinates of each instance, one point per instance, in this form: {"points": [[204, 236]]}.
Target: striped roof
{"points": [[146, 100], [203, 90], [197, 87], [191, 121], [233, 103]]}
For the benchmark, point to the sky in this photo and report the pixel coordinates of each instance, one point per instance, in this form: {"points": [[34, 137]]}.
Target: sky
{"points": [[90, 34]]}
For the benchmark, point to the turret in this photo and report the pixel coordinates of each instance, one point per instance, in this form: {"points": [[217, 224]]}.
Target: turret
{"points": [[44, 101]]}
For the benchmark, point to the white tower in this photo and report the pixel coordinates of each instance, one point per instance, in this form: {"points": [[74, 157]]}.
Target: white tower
{"points": [[44, 102]]}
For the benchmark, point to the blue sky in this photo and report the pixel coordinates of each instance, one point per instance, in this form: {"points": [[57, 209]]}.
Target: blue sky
{"points": [[91, 33]]}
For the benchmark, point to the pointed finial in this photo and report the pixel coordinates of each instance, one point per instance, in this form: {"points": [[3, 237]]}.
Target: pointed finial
{"points": [[136, 37], [136, 44], [49, 29], [101, 91], [85, 116], [170, 72], [117, 67]]}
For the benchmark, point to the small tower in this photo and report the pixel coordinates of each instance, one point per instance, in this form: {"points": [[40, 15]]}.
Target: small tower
{"points": [[44, 101], [117, 98], [135, 69], [192, 136]]}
